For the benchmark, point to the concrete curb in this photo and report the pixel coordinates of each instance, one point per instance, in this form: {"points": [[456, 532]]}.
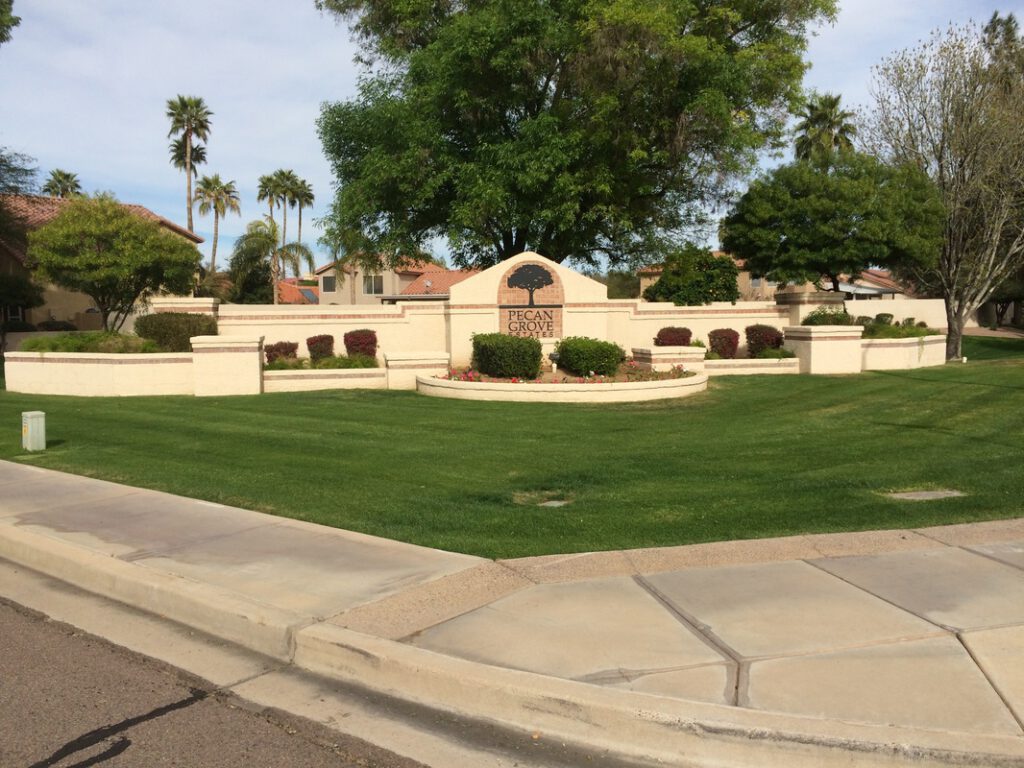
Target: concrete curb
{"points": [[635, 724], [213, 610]]}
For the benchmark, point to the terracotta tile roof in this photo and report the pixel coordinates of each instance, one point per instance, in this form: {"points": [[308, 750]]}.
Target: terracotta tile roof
{"points": [[441, 281], [34, 211], [880, 278], [289, 292], [413, 267]]}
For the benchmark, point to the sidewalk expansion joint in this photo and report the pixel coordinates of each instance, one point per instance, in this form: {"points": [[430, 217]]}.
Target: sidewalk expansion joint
{"points": [[707, 636], [995, 687], [993, 558]]}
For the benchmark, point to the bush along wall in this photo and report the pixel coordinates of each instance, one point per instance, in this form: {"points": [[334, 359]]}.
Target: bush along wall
{"points": [[172, 330], [673, 336], [724, 342], [361, 342], [320, 347], [762, 337], [282, 350], [506, 357], [584, 356]]}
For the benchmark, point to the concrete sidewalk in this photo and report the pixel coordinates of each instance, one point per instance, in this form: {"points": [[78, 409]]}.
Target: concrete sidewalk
{"points": [[882, 648]]}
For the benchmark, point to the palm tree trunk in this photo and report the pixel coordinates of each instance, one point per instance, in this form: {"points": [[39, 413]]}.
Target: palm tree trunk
{"points": [[274, 270], [300, 222], [284, 222], [188, 177], [213, 254]]}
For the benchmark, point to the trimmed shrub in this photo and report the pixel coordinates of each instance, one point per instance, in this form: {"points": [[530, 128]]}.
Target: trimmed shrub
{"points": [[880, 331], [673, 337], [909, 322], [582, 355], [17, 326], [863, 320], [361, 342], [172, 330], [320, 347], [775, 354], [883, 318], [352, 361], [285, 364], [93, 341], [56, 325], [829, 316], [506, 357], [724, 342], [762, 337], [698, 343], [282, 350]]}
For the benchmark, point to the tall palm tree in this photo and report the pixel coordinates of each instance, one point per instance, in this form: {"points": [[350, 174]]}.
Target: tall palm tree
{"points": [[824, 128], [190, 117], [268, 191], [220, 197], [177, 150], [304, 197], [286, 184], [260, 245], [62, 184]]}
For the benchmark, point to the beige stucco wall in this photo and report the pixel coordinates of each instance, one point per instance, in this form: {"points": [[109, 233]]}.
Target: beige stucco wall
{"points": [[826, 348], [903, 354], [99, 375], [931, 311], [308, 381], [752, 367], [624, 392]]}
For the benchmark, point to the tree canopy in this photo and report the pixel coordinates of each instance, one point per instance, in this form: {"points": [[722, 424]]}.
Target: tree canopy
{"points": [[577, 129], [692, 276], [100, 248], [8, 20], [837, 215], [17, 291], [952, 107]]}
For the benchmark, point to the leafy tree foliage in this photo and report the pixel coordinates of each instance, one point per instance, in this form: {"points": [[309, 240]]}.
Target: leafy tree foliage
{"points": [[574, 128], [8, 20], [1009, 293], [692, 276], [117, 258], [837, 215], [178, 151], [259, 253], [952, 107], [16, 291]]}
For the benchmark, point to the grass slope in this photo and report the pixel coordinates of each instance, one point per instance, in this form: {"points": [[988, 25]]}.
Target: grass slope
{"points": [[753, 457]]}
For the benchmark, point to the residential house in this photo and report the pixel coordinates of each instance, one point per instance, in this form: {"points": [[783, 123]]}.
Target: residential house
{"points": [[415, 280], [32, 212], [293, 291]]}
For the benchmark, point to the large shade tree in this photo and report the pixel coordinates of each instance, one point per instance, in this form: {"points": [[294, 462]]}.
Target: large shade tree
{"points": [[100, 248], [576, 128], [952, 107], [219, 198], [836, 215], [190, 119]]}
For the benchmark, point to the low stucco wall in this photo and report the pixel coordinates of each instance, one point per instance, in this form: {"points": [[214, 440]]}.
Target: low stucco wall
{"points": [[308, 381], [903, 354], [619, 392], [99, 375], [751, 367]]}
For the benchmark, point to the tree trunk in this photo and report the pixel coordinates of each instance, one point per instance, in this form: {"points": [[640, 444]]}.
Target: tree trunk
{"points": [[300, 222], [954, 332], [213, 252], [284, 223], [274, 270], [188, 178]]}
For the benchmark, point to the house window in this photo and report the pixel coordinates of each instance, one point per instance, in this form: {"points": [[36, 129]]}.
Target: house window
{"points": [[373, 285], [330, 283], [755, 282]]}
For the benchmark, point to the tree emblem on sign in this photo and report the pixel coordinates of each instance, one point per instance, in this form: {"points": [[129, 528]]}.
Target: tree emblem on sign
{"points": [[530, 277]]}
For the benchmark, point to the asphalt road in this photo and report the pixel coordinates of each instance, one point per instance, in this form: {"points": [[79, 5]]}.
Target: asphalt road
{"points": [[71, 700]]}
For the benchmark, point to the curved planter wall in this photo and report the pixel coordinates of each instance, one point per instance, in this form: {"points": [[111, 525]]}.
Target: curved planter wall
{"points": [[617, 392]]}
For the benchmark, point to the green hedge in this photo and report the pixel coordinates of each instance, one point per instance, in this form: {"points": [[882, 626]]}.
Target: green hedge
{"points": [[506, 357], [583, 356], [172, 330], [94, 341], [829, 316]]}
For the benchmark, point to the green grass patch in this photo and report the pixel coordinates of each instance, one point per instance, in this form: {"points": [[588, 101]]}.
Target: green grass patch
{"points": [[752, 457]]}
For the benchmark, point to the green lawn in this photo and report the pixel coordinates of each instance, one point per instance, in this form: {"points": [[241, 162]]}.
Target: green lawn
{"points": [[753, 457]]}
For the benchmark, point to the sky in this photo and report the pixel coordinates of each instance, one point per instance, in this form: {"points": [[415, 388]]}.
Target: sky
{"points": [[85, 87]]}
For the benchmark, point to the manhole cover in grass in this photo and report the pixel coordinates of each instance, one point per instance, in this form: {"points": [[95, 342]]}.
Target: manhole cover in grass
{"points": [[943, 493], [553, 503]]}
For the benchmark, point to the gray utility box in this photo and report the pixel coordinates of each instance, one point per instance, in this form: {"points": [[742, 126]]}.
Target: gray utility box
{"points": [[33, 431]]}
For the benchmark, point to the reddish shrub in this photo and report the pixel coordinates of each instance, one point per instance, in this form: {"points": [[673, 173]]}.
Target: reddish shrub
{"points": [[762, 337], [673, 337], [724, 342], [361, 342], [320, 347], [281, 350]]}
